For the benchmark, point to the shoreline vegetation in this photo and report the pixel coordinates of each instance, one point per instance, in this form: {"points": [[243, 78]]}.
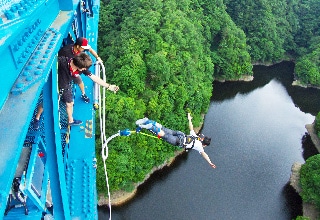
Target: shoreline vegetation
{"points": [[121, 197], [308, 210], [299, 83], [245, 78]]}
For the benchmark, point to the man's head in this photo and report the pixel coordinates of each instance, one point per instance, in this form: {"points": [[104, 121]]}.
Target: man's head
{"points": [[204, 139], [82, 44], [82, 61]]}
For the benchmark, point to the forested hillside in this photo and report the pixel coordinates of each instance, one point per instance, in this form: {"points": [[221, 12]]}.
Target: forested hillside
{"points": [[165, 54], [282, 29]]}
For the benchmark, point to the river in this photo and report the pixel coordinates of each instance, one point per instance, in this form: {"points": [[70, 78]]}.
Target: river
{"points": [[257, 130]]}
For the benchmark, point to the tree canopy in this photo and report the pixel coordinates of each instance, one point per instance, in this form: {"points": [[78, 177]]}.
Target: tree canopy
{"points": [[164, 55], [281, 29]]}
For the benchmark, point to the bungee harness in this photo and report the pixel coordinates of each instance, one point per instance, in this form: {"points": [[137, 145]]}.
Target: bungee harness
{"points": [[188, 140]]}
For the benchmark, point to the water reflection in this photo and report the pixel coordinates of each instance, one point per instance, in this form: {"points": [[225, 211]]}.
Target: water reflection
{"points": [[308, 147], [293, 201], [305, 99], [228, 90]]}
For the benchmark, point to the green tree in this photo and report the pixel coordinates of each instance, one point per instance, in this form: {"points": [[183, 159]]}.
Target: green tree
{"points": [[227, 42], [307, 68], [310, 180], [265, 27]]}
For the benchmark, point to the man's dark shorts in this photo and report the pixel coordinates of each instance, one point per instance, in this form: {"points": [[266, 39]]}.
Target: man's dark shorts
{"points": [[66, 95], [77, 80]]}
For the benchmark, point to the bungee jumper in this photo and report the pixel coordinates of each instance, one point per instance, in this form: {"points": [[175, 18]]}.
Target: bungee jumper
{"points": [[175, 138]]}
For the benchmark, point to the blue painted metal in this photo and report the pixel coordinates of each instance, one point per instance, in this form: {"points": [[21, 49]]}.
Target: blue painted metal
{"points": [[55, 165]]}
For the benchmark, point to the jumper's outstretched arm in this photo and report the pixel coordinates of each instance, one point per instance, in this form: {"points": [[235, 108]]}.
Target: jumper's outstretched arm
{"points": [[190, 122], [206, 157]]}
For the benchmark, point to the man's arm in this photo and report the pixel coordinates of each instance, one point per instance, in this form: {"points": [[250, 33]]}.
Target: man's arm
{"points": [[206, 157], [190, 122], [95, 54], [99, 81]]}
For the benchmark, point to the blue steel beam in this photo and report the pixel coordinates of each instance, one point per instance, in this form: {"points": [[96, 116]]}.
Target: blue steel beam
{"points": [[54, 149], [20, 36], [32, 58]]}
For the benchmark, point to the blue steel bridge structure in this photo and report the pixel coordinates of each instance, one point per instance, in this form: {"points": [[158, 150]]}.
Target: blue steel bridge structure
{"points": [[50, 172]]}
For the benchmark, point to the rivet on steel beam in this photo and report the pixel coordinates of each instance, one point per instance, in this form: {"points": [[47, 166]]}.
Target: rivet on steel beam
{"points": [[19, 85], [26, 73]]}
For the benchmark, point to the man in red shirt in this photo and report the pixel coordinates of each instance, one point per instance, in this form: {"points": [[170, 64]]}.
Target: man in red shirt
{"points": [[68, 69], [71, 50]]}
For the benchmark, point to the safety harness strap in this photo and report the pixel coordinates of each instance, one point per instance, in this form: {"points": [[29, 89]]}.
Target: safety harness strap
{"points": [[188, 140]]}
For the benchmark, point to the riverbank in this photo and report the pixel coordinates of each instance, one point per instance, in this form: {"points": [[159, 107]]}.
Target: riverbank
{"points": [[299, 83], [245, 78], [309, 210], [314, 137], [121, 197]]}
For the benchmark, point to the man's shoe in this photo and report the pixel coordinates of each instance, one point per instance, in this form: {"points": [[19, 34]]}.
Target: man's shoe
{"points": [[146, 121], [85, 98], [75, 122], [36, 123], [141, 121]]}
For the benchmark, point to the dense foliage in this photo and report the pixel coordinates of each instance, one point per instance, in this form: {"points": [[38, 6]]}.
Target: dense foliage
{"points": [[310, 180], [164, 55], [265, 25], [308, 42], [278, 29], [308, 68]]}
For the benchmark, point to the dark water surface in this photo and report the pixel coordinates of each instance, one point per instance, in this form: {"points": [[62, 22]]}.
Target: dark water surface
{"points": [[258, 131]]}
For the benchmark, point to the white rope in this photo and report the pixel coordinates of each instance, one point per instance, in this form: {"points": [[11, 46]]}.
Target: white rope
{"points": [[104, 157], [102, 114], [102, 106]]}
